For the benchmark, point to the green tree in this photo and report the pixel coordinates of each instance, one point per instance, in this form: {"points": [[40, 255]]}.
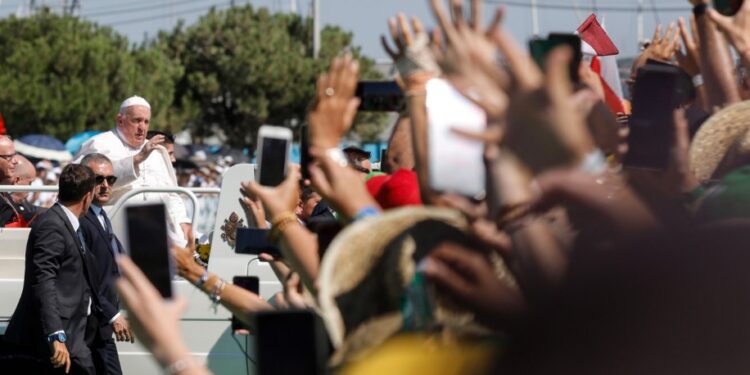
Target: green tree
{"points": [[246, 67], [61, 75]]}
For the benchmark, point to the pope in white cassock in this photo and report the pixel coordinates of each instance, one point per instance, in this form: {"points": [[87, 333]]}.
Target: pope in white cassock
{"points": [[139, 162]]}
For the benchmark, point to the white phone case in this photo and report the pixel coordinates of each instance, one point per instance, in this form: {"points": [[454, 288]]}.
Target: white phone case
{"points": [[277, 132], [456, 164]]}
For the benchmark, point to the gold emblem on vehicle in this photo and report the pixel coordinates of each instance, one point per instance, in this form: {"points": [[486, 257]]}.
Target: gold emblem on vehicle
{"points": [[229, 228]]}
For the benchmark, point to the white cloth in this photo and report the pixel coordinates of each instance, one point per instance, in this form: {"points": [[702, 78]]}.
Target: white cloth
{"points": [[155, 171]]}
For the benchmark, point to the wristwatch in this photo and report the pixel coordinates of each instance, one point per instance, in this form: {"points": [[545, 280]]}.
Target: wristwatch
{"points": [[57, 336]]}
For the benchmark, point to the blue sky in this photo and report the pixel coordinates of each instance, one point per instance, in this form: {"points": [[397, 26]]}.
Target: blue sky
{"points": [[367, 18]]}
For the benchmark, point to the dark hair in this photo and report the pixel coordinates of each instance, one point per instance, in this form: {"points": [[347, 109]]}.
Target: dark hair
{"points": [[95, 157], [306, 193], [75, 181], [167, 136]]}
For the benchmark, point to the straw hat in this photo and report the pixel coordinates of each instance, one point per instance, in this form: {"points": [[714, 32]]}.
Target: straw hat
{"points": [[367, 268], [722, 143]]}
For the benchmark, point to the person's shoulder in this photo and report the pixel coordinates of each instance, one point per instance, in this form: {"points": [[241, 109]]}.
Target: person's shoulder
{"points": [[46, 222], [104, 139], [46, 217]]}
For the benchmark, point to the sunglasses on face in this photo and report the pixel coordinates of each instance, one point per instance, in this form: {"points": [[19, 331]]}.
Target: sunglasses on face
{"points": [[110, 179]]}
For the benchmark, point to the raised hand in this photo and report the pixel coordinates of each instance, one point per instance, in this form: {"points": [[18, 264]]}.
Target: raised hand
{"points": [[149, 147], [689, 60], [253, 206], [339, 185], [664, 47], [335, 105], [541, 111], [737, 30], [411, 54], [469, 278], [155, 321], [279, 199], [469, 56]]}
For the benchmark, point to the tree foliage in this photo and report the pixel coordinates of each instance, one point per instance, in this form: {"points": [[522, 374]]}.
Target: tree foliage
{"points": [[246, 67], [231, 72], [61, 75]]}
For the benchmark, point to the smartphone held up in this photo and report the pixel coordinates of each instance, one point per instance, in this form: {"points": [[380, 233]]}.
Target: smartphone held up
{"points": [[274, 146], [149, 246]]}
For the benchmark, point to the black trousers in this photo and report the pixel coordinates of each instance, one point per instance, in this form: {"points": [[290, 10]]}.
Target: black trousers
{"points": [[103, 350]]}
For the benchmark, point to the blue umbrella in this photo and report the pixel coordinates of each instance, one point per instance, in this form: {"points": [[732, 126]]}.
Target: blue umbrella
{"points": [[75, 142], [42, 146]]}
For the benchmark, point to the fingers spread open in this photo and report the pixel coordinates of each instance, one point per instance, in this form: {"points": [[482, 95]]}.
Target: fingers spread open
{"points": [[391, 53], [657, 35], [496, 23], [443, 20], [523, 69], [445, 277], [476, 15], [457, 9], [405, 30]]}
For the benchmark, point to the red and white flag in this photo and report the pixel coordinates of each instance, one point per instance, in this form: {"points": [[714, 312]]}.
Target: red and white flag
{"points": [[596, 43]]}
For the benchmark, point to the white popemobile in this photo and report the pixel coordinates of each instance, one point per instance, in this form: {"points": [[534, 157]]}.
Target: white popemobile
{"points": [[205, 327]]}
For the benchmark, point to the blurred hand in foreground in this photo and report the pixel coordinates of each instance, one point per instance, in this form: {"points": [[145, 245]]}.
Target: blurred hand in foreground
{"points": [[469, 278]]}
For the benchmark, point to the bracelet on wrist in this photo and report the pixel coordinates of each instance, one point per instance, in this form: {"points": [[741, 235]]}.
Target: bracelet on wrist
{"points": [[594, 162], [279, 223], [215, 295], [202, 280], [366, 211], [697, 80]]}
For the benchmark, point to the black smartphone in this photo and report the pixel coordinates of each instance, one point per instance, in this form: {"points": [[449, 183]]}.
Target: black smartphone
{"points": [[384, 161], [727, 7], [304, 151], [149, 249], [290, 342], [540, 48], [274, 144], [685, 88], [383, 96], [251, 283], [325, 228], [255, 241], [655, 97]]}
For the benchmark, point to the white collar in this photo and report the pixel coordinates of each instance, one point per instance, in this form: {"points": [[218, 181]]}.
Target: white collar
{"points": [[71, 217]]}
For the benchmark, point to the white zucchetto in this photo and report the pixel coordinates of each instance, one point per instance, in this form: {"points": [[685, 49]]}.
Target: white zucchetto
{"points": [[134, 100]]}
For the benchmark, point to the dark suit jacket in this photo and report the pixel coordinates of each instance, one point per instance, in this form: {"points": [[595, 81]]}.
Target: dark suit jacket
{"points": [[56, 288], [105, 272]]}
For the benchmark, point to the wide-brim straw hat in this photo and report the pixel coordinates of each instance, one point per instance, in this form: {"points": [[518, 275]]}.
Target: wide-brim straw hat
{"points": [[367, 268], [722, 143]]}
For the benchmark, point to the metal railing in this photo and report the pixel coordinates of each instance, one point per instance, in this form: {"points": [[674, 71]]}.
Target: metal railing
{"points": [[190, 192]]}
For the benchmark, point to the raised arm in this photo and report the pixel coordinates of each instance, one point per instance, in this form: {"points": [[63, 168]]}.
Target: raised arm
{"points": [[715, 60]]}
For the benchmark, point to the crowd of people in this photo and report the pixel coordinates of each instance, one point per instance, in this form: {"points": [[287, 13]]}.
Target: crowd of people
{"points": [[572, 261]]}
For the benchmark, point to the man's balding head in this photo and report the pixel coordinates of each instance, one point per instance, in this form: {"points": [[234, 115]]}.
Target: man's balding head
{"points": [[8, 160], [25, 172]]}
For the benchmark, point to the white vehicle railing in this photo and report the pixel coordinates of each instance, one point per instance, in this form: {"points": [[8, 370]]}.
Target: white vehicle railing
{"points": [[190, 192]]}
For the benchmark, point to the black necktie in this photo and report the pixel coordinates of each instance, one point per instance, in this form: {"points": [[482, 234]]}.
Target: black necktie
{"points": [[80, 238], [112, 239]]}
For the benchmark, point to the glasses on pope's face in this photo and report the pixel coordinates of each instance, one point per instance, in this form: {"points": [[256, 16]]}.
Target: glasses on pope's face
{"points": [[110, 179], [9, 157]]}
